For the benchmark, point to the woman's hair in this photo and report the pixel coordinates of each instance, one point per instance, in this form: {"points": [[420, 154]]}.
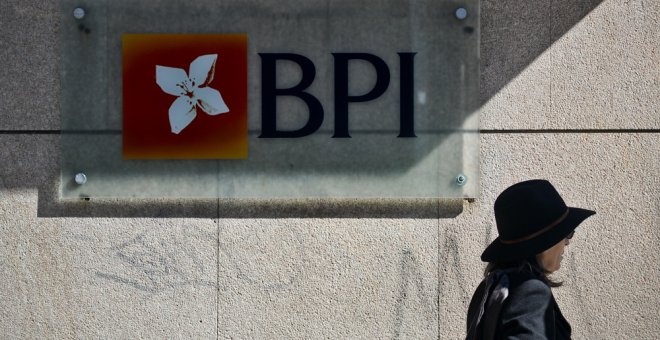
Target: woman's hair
{"points": [[530, 264]]}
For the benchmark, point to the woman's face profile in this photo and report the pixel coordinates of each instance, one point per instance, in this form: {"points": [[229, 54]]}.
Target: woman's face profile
{"points": [[551, 258]]}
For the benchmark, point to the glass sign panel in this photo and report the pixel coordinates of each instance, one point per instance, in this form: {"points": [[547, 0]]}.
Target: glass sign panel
{"points": [[269, 99]]}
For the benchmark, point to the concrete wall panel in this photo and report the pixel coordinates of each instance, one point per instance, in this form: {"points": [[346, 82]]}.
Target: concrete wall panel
{"points": [[610, 269], [105, 278], [312, 278], [328, 278], [96, 277], [562, 64], [597, 72]]}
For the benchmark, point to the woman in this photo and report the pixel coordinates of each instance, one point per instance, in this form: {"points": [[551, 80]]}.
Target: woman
{"points": [[514, 301]]}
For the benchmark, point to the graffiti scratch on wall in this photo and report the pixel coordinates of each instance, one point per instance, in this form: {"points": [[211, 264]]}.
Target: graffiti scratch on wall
{"points": [[155, 263]]}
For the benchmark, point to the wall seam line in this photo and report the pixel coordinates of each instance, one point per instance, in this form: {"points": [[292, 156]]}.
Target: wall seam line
{"points": [[590, 131]]}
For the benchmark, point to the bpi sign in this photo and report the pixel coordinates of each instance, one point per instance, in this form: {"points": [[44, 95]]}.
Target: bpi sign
{"points": [[342, 98], [185, 96]]}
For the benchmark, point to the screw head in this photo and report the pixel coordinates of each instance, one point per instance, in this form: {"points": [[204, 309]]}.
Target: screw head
{"points": [[461, 179], [461, 13], [79, 13], [80, 178]]}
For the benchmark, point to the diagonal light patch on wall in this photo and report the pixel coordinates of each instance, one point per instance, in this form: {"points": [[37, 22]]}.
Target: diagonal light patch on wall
{"points": [[587, 75]]}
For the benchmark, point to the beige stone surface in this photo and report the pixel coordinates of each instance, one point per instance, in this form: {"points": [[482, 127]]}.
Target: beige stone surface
{"points": [[103, 277], [96, 277], [328, 278], [601, 71], [146, 269], [314, 278], [611, 268], [106, 278]]}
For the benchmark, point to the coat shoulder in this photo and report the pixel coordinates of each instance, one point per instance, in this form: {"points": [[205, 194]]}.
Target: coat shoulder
{"points": [[528, 310], [529, 292], [530, 285]]}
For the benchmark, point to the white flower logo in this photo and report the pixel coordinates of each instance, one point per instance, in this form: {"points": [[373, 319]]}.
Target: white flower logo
{"points": [[192, 90]]}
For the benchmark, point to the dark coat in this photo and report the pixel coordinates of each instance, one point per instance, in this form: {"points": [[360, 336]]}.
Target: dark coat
{"points": [[529, 312]]}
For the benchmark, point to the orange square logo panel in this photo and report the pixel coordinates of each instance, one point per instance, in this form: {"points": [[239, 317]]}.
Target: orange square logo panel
{"points": [[184, 96]]}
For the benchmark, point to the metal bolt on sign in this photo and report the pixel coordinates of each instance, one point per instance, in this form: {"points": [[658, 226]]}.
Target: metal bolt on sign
{"points": [[80, 178], [461, 13], [461, 179], [79, 13]]}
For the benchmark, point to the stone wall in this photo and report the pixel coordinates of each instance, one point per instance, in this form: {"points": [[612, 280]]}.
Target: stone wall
{"points": [[569, 93]]}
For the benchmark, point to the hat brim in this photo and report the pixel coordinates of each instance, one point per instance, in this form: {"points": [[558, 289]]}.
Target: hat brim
{"points": [[500, 252]]}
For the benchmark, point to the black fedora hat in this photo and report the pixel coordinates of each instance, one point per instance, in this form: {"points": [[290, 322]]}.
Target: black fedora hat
{"points": [[531, 217]]}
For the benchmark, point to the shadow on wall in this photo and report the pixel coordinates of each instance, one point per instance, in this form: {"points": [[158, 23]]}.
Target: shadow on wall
{"points": [[513, 34]]}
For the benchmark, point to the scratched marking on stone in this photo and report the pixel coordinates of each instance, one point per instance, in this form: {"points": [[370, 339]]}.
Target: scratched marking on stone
{"points": [[451, 249], [411, 277], [155, 263]]}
